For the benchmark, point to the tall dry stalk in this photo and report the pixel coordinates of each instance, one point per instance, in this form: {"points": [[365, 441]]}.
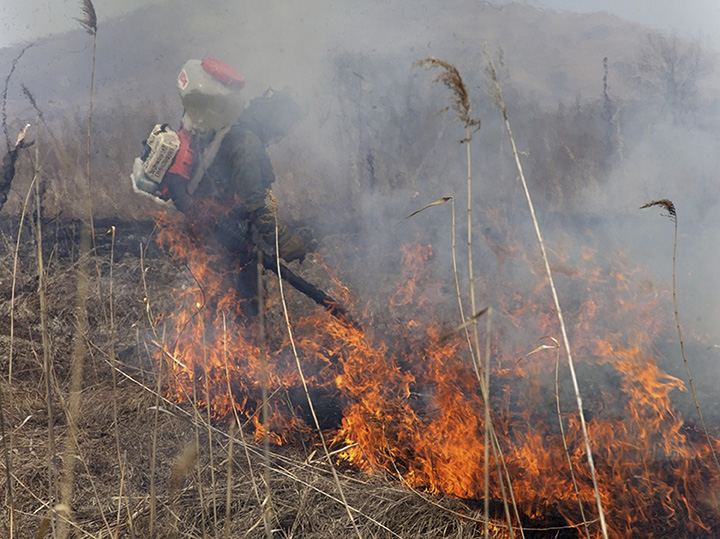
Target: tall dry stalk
{"points": [[13, 66], [8, 442], [267, 502], [228, 484], [336, 478], [670, 208], [158, 391], [79, 350], [450, 77], [253, 481], [490, 440], [211, 453], [111, 352], [486, 433], [500, 102], [6, 460], [47, 361], [197, 421], [556, 346]]}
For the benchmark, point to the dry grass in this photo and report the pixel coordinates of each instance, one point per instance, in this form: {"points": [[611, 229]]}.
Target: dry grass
{"points": [[305, 499]]}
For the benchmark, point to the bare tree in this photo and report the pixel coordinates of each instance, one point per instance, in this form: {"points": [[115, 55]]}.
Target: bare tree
{"points": [[669, 67]]}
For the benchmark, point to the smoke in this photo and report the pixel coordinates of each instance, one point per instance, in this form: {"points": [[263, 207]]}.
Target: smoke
{"points": [[375, 147], [678, 161]]}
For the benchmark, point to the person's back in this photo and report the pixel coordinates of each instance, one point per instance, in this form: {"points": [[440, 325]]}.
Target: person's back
{"points": [[241, 173]]}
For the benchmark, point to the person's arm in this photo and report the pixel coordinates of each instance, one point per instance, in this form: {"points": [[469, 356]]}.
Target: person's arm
{"points": [[178, 189], [251, 178]]}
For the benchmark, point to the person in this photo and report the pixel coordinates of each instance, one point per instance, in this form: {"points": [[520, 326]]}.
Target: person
{"points": [[222, 174]]}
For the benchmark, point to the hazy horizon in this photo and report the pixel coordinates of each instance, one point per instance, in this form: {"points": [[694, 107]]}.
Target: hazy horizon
{"points": [[27, 20]]}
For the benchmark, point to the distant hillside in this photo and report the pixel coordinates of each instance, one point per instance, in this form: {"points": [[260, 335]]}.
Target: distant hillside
{"points": [[550, 56]]}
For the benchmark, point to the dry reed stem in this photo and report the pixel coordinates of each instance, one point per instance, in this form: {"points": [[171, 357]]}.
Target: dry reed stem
{"points": [[209, 433], [564, 439], [6, 459], [77, 359], [47, 365], [228, 488], [237, 417], [300, 371], [502, 467], [670, 208], [111, 349], [16, 259], [267, 502], [82, 290], [501, 105], [197, 421], [486, 433], [450, 77], [484, 385], [153, 456], [13, 288], [13, 65], [121, 467]]}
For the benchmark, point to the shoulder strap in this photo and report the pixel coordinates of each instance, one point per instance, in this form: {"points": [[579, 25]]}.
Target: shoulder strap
{"points": [[206, 157]]}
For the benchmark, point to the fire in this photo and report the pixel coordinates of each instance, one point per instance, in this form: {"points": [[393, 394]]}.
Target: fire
{"points": [[409, 403]]}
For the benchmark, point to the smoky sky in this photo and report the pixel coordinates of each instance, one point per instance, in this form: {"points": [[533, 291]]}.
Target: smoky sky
{"points": [[31, 19], [672, 16], [24, 21]]}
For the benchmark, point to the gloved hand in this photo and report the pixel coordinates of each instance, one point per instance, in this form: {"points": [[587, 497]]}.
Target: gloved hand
{"points": [[141, 183], [234, 235], [292, 248]]}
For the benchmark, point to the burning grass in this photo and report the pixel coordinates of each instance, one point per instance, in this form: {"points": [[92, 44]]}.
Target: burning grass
{"points": [[112, 494], [399, 399], [165, 440], [406, 401]]}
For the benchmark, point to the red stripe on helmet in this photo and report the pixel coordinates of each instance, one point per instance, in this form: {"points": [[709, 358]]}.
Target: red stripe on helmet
{"points": [[223, 72]]}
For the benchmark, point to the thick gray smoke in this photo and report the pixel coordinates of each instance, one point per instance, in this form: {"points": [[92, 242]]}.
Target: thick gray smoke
{"points": [[601, 125]]}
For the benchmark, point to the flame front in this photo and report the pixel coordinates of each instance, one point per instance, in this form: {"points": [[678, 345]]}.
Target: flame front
{"points": [[409, 401]]}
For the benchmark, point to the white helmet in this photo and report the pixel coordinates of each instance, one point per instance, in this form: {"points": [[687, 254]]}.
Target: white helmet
{"points": [[210, 92]]}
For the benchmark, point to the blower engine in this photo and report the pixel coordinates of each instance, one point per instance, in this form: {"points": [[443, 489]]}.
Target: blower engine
{"points": [[210, 93], [165, 151]]}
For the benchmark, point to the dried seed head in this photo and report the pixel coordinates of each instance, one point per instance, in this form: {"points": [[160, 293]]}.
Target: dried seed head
{"points": [[665, 203], [450, 77], [182, 467], [89, 21]]}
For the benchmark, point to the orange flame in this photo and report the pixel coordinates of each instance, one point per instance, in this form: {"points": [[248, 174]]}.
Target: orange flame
{"points": [[410, 401]]}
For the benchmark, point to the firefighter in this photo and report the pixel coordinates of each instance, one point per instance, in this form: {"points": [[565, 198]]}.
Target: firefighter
{"points": [[222, 163]]}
